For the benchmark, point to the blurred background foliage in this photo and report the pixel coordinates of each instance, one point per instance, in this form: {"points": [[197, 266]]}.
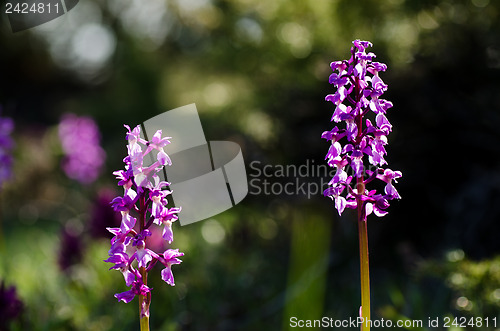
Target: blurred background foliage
{"points": [[258, 73]]}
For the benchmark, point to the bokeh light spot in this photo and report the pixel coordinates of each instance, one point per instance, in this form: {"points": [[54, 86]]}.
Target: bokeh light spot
{"points": [[93, 44], [213, 232]]}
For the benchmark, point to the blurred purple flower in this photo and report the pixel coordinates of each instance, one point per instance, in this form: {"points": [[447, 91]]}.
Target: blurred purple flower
{"points": [[80, 140], [102, 215], [71, 248], [6, 144], [10, 306], [358, 83]]}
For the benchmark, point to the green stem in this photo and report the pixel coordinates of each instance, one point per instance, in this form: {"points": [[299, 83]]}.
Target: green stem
{"points": [[1, 231], [364, 266], [362, 225], [144, 300], [145, 323], [144, 303]]}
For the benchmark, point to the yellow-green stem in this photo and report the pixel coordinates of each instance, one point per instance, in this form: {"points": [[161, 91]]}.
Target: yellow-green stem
{"points": [[365, 269], [145, 323], [143, 301], [1, 232]]}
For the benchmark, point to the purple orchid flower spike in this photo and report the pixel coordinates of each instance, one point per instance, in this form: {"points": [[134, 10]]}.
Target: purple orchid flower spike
{"points": [[143, 204], [359, 89]]}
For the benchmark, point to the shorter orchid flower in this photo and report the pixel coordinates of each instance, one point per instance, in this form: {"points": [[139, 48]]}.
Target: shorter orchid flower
{"points": [[145, 197]]}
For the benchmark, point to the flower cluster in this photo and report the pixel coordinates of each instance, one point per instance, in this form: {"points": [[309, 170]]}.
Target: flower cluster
{"points": [[80, 139], [6, 144], [142, 205], [358, 94]]}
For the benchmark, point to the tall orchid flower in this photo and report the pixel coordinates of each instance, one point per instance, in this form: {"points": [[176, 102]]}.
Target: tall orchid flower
{"points": [[143, 204], [358, 96]]}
